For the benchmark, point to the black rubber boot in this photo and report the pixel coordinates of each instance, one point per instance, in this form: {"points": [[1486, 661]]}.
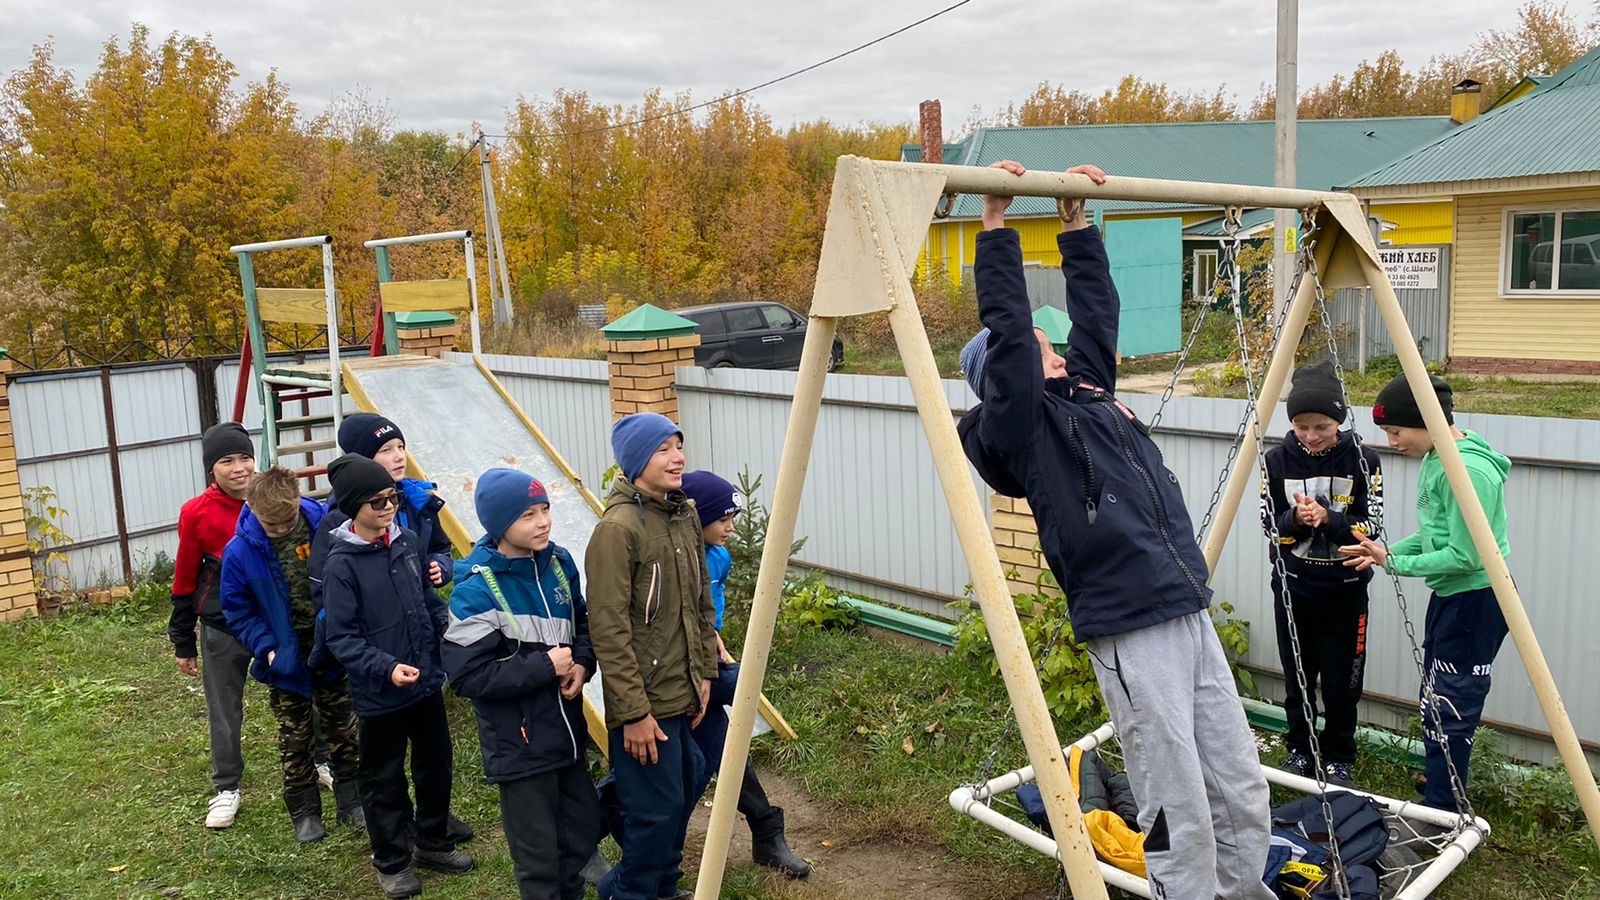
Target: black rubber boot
{"points": [[595, 869], [348, 803], [305, 808], [770, 848]]}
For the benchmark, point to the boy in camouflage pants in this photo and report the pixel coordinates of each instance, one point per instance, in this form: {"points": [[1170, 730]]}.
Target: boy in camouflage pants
{"points": [[266, 595]]}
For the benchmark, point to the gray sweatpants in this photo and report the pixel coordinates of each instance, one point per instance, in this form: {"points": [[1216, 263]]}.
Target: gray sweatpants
{"points": [[1191, 759], [224, 665]]}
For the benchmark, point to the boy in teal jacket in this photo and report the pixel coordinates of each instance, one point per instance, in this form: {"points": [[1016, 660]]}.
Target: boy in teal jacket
{"points": [[1464, 628]]}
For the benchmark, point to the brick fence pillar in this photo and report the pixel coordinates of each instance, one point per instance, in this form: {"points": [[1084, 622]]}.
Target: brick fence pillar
{"points": [[643, 351], [1016, 538], [17, 597], [426, 334]]}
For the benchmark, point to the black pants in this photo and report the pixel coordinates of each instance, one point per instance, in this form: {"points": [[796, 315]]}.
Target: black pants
{"points": [[552, 823], [384, 798], [712, 737], [1333, 649], [1464, 634]]}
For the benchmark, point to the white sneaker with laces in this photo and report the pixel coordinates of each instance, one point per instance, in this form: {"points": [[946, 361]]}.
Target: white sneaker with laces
{"points": [[223, 810], [325, 776]]}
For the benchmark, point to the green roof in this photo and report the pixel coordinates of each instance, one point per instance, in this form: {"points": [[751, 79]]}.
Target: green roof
{"points": [[648, 322], [1550, 131], [913, 152], [1330, 152]]}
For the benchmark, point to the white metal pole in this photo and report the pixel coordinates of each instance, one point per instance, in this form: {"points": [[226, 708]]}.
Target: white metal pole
{"points": [[488, 229], [335, 389], [1283, 170], [472, 291], [491, 209]]}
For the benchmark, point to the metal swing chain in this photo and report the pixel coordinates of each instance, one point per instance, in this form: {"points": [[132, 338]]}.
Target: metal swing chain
{"points": [[1429, 703], [1307, 265]]}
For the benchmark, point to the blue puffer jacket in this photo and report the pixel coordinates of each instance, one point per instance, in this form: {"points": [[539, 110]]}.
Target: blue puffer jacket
{"points": [[379, 613], [1111, 517], [499, 657], [255, 599]]}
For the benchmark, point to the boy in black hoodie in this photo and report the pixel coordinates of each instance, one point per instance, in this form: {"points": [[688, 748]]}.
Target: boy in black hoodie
{"points": [[1113, 527], [383, 624], [1317, 496]]}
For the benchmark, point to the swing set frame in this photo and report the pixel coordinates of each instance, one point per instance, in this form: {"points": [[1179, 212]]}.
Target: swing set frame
{"points": [[877, 217]]}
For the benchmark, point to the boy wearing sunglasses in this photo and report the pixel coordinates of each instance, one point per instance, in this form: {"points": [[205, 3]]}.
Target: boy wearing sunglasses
{"points": [[655, 637], [383, 624]]}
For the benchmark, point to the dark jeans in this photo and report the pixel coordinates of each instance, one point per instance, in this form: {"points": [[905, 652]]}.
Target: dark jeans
{"points": [[224, 666], [656, 805], [384, 798], [1464, 633], [552, 823], [1333, 648], [712, 736]]}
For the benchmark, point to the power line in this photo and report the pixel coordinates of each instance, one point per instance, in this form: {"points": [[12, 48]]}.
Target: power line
{"points": [[743, 91]]}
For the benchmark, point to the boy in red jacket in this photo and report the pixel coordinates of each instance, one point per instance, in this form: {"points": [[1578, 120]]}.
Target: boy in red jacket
{"points": [[205, 525]]}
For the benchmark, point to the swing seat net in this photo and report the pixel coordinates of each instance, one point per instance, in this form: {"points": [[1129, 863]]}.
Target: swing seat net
{"points": [[1425, 844]]}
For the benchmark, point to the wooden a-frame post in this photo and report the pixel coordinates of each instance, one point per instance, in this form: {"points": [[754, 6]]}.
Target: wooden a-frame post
{"points": [[876, 219]]}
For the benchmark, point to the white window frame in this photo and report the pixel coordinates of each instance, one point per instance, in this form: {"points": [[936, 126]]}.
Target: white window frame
{"points": [[1194, 273], [1508, 215]]}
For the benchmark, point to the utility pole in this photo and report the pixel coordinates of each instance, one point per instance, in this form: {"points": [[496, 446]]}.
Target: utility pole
{"points": [[1283, 220], [494, 243]]}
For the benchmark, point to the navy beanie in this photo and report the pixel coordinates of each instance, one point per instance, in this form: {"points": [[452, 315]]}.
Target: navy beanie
{"points": [[973, 357], [635, 438], [225, 439], [366, 433], [503, 495], [356, 479], [713, 496]]}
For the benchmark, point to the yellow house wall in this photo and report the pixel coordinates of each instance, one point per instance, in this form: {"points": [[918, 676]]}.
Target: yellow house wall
{"points": [[1485, 324]]}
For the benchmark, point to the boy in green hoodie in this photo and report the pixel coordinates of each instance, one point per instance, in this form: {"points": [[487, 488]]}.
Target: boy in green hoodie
{"points": [[1464, 626]]}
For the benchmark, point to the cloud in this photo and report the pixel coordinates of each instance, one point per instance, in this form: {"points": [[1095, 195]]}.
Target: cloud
{"points": [[444, 66]]}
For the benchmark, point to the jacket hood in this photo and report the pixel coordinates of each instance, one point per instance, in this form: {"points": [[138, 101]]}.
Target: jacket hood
{"points": [[346, 539], [251, 531], [418, 495], [486, 552], [624, 492], [1474, 448]]}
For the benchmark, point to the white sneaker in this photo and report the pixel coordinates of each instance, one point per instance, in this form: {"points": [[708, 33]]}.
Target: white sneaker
{"points": [[223, 810], [325, 776]]}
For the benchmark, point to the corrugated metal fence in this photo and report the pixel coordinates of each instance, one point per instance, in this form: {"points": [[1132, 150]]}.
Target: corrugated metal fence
{"points": [[1427, 311], [872, 509]]}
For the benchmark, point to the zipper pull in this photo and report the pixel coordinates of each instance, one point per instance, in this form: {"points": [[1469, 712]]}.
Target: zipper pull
{"points": [[1092, 510]]}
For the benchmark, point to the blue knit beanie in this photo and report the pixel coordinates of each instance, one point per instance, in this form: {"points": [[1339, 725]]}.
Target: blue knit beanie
{"points": [[502, 495], [366, 433], [635, 438], [713, 496], [973, 357]]}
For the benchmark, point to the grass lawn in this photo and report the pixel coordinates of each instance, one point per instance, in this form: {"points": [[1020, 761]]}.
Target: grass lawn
{"points": [[105, 779]]}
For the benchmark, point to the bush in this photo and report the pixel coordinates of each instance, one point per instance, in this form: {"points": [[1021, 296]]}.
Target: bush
{"points": [[748, 539], [811, 604]]}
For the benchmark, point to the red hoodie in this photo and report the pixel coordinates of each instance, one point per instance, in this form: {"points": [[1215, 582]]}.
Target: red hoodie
{"points": [[205, 525]]}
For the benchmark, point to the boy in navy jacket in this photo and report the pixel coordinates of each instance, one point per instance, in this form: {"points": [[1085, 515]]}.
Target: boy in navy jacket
{"points": [[1115, 532], [266, 595], [1322, 488], [383, 625], [518, 646]]}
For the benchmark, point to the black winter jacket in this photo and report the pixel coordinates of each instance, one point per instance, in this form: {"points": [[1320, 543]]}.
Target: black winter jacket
{"points": [[378, 612], [1112, 523], [1336, 481]]}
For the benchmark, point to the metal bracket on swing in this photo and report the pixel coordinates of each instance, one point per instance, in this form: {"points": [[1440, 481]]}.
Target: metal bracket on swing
{"points": [[1232, 220], [946, 204]]}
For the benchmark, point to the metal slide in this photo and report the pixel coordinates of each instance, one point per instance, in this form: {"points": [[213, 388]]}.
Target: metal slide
{"points": [[459, 422]]}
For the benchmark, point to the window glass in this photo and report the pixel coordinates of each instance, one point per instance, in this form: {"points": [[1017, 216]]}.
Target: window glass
{"points": [[1532, 238], [745, 318], [710, 323], [778, 317], [1580, 238]]}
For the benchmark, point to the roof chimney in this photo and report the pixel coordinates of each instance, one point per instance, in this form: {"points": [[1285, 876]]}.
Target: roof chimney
{"points": [[928, 113], [1466, 101]]}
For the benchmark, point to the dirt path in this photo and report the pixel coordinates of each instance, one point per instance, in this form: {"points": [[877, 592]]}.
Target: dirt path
{"points": [[847, 865]]}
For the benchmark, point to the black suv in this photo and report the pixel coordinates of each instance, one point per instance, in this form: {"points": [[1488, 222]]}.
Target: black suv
{"points": [[752, 336]]}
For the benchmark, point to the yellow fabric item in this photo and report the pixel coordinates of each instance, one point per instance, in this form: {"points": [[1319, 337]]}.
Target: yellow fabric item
{"points": [[1115, 842]]}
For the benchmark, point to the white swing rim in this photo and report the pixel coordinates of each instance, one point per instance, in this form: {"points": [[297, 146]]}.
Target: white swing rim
{"points": [[973, 800]]}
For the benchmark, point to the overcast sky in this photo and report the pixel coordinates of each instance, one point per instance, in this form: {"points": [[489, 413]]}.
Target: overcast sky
{"points": [[444, 65]]}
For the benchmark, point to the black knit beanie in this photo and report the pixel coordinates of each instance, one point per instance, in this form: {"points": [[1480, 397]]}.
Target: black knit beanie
{"points": [[1316, 389], [366, 433], [356, 480], [1396, 405], [225, 439]]}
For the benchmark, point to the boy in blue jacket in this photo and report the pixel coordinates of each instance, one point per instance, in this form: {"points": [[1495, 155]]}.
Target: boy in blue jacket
{"points": [[518, 646], [266, 596], [718, 502], [1115, 532], [383, 625]]}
